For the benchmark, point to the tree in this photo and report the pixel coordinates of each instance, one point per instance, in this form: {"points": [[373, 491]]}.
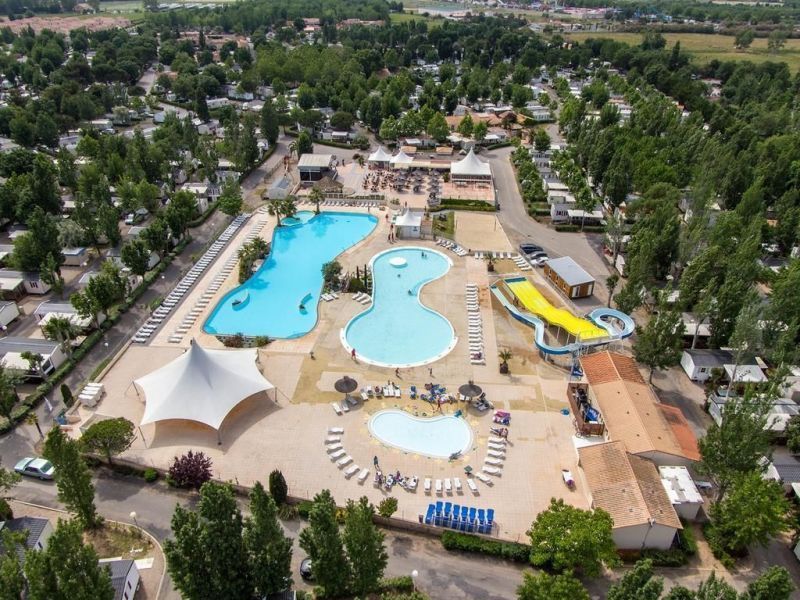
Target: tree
{"points": [[541, 140], [366, 551], [270, 123], [278, 488], [12, 578], [316, 196], [282, 208], [752, 512], [66, 569], [504, 355], [437, 127], [305, 144], [230, 200], [388, 130], [637, 584], [773, 584], [611, 285], [659, 343], [793, 434], [201, 106], [331, 272], [737, 445], [715, 589], [566, 538], [136, 256], [181, 209], [387, 507], [466, 125], [480, 130], [35, 362], [207, 557], [543, 586], [9, 380], [743, 39], [32, 248], [191, 470], [109, 437], [269, 550], [322, 542], [156, 236], [50, 273], [776, 40], [62, 330], [73, 479], [342, 121]]}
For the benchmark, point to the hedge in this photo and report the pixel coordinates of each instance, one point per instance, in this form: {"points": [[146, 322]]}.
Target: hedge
{"points": [[452, 540], [500, 145], [476, 205], [569, 228]]}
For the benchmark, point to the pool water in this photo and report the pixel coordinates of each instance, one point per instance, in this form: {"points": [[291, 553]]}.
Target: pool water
{"points": [[282, 296], [398, 330], [438, 437]]}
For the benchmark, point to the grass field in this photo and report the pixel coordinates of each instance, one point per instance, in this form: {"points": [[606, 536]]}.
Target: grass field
{"points": [[708, 46]]}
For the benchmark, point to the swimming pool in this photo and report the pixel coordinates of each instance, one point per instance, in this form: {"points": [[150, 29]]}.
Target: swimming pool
{"points": [[438, 437], [398, 330], [280, 299]]}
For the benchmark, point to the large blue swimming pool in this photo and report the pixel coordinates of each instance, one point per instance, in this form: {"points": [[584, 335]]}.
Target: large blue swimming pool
{"points": [[438, 437], [398, 330], [269, 303]]}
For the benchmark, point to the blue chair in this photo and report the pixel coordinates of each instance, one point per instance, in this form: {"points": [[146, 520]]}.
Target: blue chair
{"points": [[464, 511], [456, 511], [439, 507], [462, 525], [455, 523], [470, 527], [438, 520], [490, 516], [472, 512], [481, 515], [429, 514], [447, 508]]}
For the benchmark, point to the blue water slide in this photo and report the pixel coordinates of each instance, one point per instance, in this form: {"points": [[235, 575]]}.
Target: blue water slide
{"points": [[600, 316]]}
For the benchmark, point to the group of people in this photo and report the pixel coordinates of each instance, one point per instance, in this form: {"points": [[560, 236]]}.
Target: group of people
{"points": [[392, 479]]}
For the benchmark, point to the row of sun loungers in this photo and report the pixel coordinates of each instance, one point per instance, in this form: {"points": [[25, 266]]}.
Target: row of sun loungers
{"points": [[495, 455], [499, 256], [461, 518], [452, 247], [90, 394], [337, 454], [330, 296], [522, 264], [358, 203], [448, 485], [475, 326], [185, 284], [362, 298]]}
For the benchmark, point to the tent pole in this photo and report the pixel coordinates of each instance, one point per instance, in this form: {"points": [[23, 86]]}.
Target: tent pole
{"points": [[219, 439], [141, 433]]}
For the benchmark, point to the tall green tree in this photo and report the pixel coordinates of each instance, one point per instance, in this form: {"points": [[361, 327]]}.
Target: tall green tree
{"points": [[180, 211], [543, 586], [67, 569], [62, 330], [322, 541], [270, 123], [268, 548], [567, 539], [715, 588], [109, 437], [773, 584], [364, 542], [541, 140], [136, 256], [637, 584], [230, 200], [73, 478], [32, 248], [305, 145], [12, 577], [659, 343], [207, 557]]}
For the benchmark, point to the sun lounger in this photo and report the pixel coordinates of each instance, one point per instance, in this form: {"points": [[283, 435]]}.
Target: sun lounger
{"points": [[344, 406], [477, 361], [411, 484], [364, 396], [427, 485], [438, 486], [352, 400], [457, 484], [336, 407], [498, 440], [492, 470], [334, 448], [335, 430], [351, 470], [484, 478], [448, 487], [335, 455], [472, 486], [397, 392], [363, 475], [345, 460], [497, 447], [496, 453], [334, 439], [494, 461]]}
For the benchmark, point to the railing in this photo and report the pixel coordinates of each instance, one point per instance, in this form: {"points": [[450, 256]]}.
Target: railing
{"points": [[583, 426]]}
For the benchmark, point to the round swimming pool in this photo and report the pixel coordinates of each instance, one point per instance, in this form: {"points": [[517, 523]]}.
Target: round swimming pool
{"points": [[438, 437], [398, 330]]}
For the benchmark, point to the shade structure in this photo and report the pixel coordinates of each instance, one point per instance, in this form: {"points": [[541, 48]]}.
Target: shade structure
{"points": [[470, 390], [401, 158], [380, 155], [345, 385], [471, 165], [201, 385]]}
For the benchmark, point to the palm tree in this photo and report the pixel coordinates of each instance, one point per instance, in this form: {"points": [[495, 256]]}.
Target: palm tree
{"points": [[611, 285], [292, 149], [9, 380], [316, 196], [61, 330], [35, 361], [32, 419], [504, 355]]}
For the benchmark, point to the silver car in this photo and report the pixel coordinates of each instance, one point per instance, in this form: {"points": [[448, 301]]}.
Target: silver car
{"points": [[35, 467]]}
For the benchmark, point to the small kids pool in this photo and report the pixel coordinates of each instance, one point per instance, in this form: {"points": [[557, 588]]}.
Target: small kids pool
{"points": [[398, 330], [280, 300], [438, 437]]}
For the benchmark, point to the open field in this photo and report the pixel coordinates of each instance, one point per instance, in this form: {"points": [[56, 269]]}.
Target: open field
{"points": [[706, 46]]}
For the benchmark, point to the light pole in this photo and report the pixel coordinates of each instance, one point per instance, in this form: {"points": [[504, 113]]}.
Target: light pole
{"points": [[414, 575], [133, 516]]}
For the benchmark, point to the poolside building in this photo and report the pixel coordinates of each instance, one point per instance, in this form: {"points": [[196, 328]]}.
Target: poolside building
{"points": [[633, 414], [313, 167], [380, 158], [629, 488], [569, 277], [470, 169], [408, 225]]}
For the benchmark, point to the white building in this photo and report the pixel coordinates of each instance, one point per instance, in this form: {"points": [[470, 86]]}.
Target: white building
{"points": [[12, 348], [682, 491], [698, 364], [8, 312], [408, 225], [124, 577]]}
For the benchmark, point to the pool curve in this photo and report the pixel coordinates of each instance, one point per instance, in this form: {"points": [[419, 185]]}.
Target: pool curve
{"points": [[435, 437]]}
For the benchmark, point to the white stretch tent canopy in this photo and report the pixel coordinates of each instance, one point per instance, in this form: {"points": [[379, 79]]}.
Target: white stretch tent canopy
{"points": [[380, 155], [401, 158], [201, 385], [471, 165]]}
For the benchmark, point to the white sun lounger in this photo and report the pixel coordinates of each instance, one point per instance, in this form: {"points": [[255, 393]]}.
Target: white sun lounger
{"points": [[496, 453], [457, 484], [494, 461], [344, 407], [484, 478], [438, 486], [351, 470], [492, 470], [335, 406], [336, 430], [345, 460], [472, 485], [333, 439], [496, 446], [337, 454], [427, 485], [498, 440], [363, 475], [397, 392], [448, 487], [334, 448]]}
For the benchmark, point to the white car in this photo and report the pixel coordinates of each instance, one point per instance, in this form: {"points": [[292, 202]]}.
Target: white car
{"points": [[35, 467]]}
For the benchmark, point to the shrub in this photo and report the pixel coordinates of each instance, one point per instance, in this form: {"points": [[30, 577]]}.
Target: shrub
{"points": [[234, 341], [191, 470], [356, 286], [464, 542], [66, 395], [261, 340], [278, 488], [387, 507], [287, 512], [674, 557], [150, 475], [304, 508], [687, 541], [566, 228], [404, 583], [5, 510]]}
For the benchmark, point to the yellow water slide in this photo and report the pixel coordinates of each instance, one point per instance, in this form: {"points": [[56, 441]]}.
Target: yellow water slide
{"points": [[533, 301]]}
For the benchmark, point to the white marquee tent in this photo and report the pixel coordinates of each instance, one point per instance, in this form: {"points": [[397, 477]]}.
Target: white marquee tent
{"points": [[471, 166], [401, 158], [380, 156], [201, 385]]}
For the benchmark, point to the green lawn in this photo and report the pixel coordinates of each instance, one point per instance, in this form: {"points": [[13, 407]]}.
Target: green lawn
{"points": [[708, 46]]}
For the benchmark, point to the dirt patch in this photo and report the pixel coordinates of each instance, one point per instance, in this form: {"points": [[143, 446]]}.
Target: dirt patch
{"points": [[112, 540]]}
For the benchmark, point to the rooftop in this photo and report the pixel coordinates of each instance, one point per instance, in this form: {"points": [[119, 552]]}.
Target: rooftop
{"points": [[626, 486], [709, 358], [679, 485], [21, 344], [570, 271], [34, 526], [319, 161]]}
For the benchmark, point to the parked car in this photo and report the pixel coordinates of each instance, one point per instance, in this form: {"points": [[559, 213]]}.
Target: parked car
{"points": [[305, 569], [35, 467], [530, 248], [537, 259]]}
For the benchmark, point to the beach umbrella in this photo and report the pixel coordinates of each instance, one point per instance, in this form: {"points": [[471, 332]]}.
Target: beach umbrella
{"points": [[470, 390], [346, 385]]}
